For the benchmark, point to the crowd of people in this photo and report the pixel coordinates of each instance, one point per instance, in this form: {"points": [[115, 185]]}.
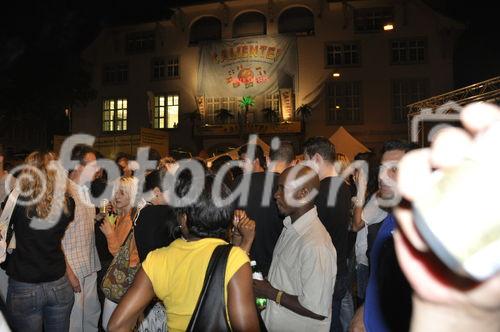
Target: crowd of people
{"points": [[323, 235]]}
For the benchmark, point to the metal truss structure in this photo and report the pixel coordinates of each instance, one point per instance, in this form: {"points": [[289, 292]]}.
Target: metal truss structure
{"points": [[434, 109]]}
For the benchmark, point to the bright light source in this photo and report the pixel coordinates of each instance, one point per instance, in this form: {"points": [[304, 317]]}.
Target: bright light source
{"points": [[336, 74], [388, 27], [337, 107]]}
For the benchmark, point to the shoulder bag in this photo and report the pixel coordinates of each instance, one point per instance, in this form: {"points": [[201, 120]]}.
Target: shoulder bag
{"points": [[210, 311]]}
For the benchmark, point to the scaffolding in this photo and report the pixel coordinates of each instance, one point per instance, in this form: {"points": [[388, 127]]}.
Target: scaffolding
{"points": [[443, 108]]}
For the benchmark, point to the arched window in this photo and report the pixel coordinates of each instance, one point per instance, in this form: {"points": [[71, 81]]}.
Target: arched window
{"points": [[249, 24], [205, 28], [297, 20]]}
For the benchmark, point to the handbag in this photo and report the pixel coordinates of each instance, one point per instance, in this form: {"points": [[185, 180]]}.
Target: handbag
{"points": [[7, 238], [119, 275], [210, 311]]}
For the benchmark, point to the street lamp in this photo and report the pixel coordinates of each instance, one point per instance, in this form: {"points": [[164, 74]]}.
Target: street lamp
{"points": [[336, 74], [388, 27]]}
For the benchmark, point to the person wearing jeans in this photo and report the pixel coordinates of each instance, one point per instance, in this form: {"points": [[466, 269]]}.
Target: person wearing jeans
{"points": [[39, 296], [47, 305]]}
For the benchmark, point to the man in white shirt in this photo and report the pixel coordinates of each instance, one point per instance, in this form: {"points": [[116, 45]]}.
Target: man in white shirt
{"points": [[301, 279]]}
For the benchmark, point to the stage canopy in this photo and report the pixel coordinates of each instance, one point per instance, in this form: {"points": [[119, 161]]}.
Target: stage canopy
{"points": [[345, 143], [234, 152]]}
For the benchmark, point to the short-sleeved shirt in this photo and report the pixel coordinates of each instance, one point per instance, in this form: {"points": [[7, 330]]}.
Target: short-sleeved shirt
{"points": [[177, 273], [304, 265]]}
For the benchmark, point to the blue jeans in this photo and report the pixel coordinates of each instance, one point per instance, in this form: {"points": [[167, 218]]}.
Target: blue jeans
{"points": [[346, 311], [338, 294], [41, 306], [362, 274]]}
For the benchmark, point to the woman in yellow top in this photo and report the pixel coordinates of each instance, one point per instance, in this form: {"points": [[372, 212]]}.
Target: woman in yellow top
{"points": [[176, 273]]}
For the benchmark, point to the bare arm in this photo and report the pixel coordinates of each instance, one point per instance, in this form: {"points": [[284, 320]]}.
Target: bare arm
{"points": [[357, 222], [133, 303], [357, 322], [241, 301], [291, 302], [72, 278]]}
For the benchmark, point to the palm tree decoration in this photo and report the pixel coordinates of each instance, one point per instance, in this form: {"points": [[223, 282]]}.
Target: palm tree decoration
{"points": [[270, 115], [305, 111], [224, 115], [245, 103]]}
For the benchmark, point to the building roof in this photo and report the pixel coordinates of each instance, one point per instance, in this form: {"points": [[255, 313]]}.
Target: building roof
{"points": [[188, 3]]}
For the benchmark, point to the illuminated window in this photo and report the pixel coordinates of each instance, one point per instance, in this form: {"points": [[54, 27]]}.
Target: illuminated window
{"points": [[229, 103], [409, 51], [114, 115], [115, 73], [166, 111], [173, 111], [165, 68], [343, 102], [405, 92], [342, 54], [214, 104], [140, 41], [273, 101], [372, 19]]}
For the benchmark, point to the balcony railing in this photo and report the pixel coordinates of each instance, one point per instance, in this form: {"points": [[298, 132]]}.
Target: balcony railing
{"points": [[234, 129]]}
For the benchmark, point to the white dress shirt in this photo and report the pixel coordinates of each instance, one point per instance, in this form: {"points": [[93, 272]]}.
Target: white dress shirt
{"points": [[304, 264]]}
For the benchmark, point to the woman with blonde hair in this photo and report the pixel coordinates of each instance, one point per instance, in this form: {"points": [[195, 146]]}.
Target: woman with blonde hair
{"points": [[121, 244], [40, 296]]}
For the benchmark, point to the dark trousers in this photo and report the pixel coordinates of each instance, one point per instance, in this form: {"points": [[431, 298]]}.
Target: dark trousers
{"points": [[338, 294]]}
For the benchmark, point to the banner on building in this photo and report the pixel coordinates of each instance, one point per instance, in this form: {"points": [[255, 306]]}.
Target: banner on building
{"points": [[247, 66], [287, 103]]}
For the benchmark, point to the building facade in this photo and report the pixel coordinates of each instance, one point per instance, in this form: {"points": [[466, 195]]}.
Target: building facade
{"points": [[360, 63]]}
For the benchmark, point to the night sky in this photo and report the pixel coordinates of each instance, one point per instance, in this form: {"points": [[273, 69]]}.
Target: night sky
{"points": [[74, 24], [41, 41]]}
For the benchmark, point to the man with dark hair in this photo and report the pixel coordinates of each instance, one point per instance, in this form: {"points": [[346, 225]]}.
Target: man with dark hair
{"points": [[281, 158], [257, 162], [122, 161], [321, 146], [217, 165], [302, 274], [260, 205], [154, 155], [388, 301], [398, 145], [334, 214], [79, 244], [393, 151]]}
